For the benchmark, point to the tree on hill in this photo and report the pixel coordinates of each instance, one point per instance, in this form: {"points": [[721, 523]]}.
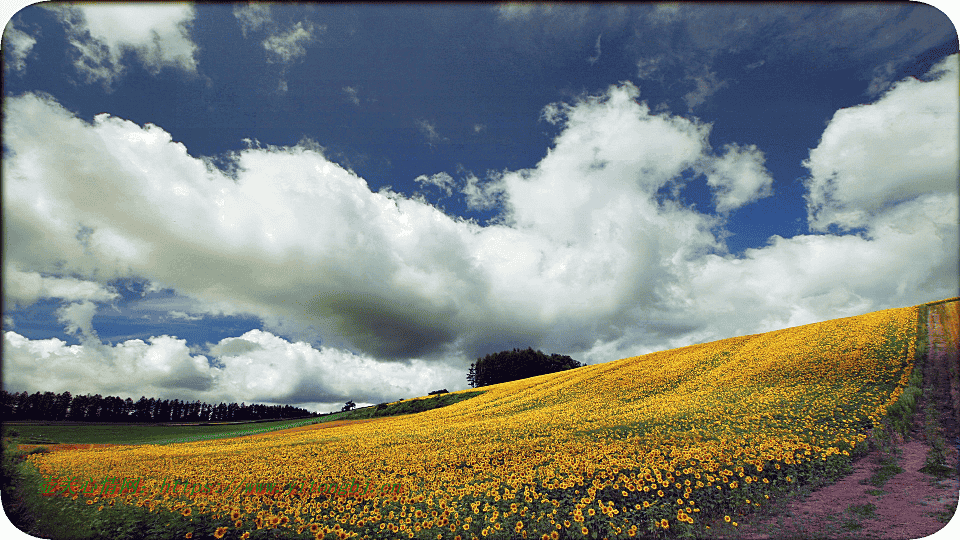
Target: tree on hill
{"points": [[517, 364]]}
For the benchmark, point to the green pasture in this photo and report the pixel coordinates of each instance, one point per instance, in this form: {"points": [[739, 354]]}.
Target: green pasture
{"points": [[35, 432]]}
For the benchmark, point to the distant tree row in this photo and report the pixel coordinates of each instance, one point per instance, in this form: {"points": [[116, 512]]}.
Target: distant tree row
{"points": [[50, 406], [517, 364]]}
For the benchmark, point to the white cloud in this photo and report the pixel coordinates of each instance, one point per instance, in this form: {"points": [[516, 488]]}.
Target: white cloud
{"points": [[873, 156], [17, 45], [101, 33], [909, 257], [442, 180], [183, 316], [584, 258], [25, 288], [707, 85], [482, 196], [282, 45], [739, 177], [429, 130], [351, 95], [517, 10], [252, 16], [256, 366], [164, 367], [78, 318], [287, 46]]}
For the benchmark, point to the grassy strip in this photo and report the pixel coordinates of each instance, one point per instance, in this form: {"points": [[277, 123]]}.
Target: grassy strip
{"points": [[936, 460], [102, 433], [398, 408]]}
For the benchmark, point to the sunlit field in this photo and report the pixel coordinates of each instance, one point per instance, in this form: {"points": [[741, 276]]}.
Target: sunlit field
{"points": [[658, 445]]}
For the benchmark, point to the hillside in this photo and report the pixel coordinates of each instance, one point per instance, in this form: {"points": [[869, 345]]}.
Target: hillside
{"points": [[651, 445]]}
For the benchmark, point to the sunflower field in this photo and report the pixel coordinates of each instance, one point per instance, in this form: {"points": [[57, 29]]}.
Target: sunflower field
{"points": [[664, 445]]}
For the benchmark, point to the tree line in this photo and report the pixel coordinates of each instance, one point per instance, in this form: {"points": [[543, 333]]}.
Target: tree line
{"points": [[517, 364], [96, 408]]}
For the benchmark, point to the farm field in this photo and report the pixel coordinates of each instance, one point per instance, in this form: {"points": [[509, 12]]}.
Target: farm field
{"points": [[29, 434], [78, 433], [680, 442]]}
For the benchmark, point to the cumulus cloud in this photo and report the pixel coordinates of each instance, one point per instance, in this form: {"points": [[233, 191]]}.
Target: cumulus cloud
{"points": [[25, 288], [78, 318], [100, 33], [164, 367], [17, 45], [481, 196], [256, 366], [874, 156], [739, 177], [442, 180], [283, 45], [585, 256]]}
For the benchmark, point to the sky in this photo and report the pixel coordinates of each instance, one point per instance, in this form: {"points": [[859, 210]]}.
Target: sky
{"points": [[312, 203]]}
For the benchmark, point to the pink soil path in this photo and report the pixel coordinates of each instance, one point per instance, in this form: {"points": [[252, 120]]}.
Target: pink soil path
{"points": [[905, 510]]}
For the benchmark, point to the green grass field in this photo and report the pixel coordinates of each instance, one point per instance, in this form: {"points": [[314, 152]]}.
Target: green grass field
{"points": [[113, 433]]}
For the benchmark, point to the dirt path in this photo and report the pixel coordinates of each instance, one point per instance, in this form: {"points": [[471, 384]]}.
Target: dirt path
{"points": [[911, 504]]}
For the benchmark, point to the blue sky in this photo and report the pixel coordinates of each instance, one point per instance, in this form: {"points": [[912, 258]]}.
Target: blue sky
{"points": [[312, 203]]}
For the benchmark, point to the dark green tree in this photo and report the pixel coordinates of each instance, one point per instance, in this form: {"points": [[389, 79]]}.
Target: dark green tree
{"points": [[517, 364]]}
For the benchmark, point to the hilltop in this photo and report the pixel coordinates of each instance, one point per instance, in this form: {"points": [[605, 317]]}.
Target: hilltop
{"points": [[686, 441]]}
